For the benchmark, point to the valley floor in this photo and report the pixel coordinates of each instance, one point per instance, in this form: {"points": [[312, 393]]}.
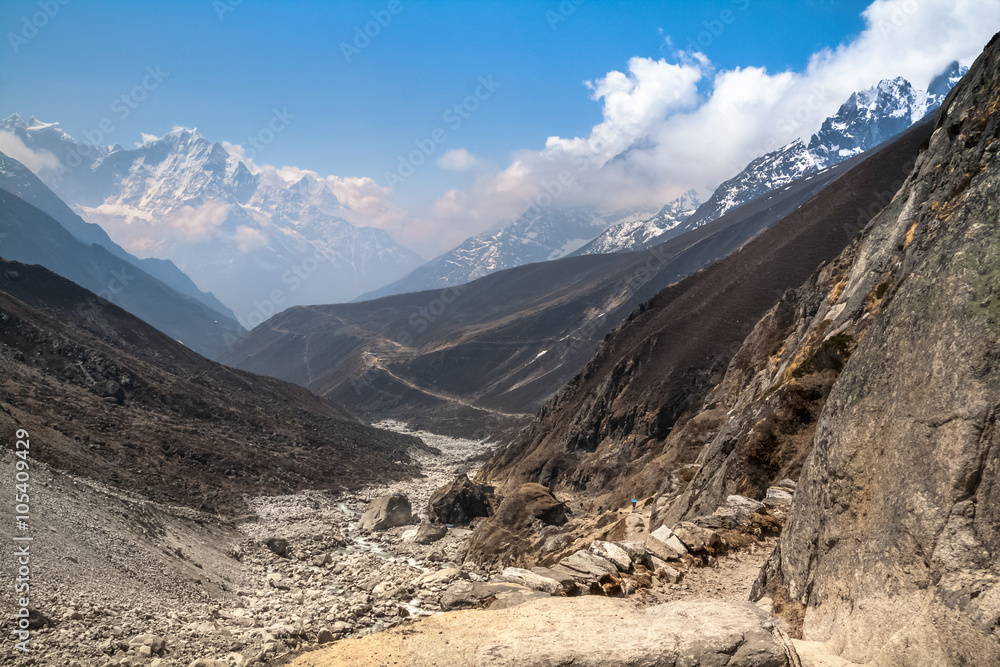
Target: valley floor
{"points": [[118, 577]]}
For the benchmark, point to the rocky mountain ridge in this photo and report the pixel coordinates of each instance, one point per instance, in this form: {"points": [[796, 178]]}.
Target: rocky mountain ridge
{"points": [[865, 120], [612, 431]]}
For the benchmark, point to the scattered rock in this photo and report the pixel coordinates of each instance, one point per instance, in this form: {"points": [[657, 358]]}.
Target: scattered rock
{"points": [[663, 570], [657, 547], [465, 594], [738, 511], [321, 560], [459, 502], [278, 546], [426, 533], [613, 553], [155, 644], [787, 484], [667, 536], [589, 567], [565, 579], [778, 497], [387, 512], [698, 539], [442, 576], [37, 620], [532, 580]]}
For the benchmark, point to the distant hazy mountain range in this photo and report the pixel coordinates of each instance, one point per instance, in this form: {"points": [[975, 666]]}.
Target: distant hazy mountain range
{"points": [[539, 235], [258, 246], [36, 227]]}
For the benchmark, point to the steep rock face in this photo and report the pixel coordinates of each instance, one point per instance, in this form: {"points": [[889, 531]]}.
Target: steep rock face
{"points": [[893, 542], [757, 425]]}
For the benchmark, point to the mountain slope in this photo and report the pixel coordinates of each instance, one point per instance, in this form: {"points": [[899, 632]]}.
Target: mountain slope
{"points": [[33, 237], [451, 359], [246, 237], [106, 396], [538, 235], [602, 432], [20, 181], [637, 234]]}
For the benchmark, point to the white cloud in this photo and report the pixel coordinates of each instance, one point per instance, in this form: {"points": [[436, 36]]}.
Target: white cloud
{"points": [[36, 161], [148, 138], [634, 104], [458, 159], [146, 235], [240, 153], [196, 223], [128, 214], [249, 239]]}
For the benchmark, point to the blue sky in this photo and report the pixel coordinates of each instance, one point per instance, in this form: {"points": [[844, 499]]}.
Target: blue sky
{"points": [[230, 63], [355, 118]]}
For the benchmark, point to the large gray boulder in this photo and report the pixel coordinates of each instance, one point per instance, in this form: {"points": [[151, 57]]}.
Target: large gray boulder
{"points": [[464, 594], [386, 512], [529, 579], [588, 568]]}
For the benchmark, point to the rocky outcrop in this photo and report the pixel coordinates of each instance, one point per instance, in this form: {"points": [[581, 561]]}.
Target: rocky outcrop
{"points": [[584, 632], [892, 547], [505, 537], [459, 502], [386, 512], [528, 503]]}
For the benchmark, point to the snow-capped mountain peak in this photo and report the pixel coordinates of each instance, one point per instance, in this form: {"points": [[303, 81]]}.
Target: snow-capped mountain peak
{"points": [[260, 247], [634, 234], [868, 118]]}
